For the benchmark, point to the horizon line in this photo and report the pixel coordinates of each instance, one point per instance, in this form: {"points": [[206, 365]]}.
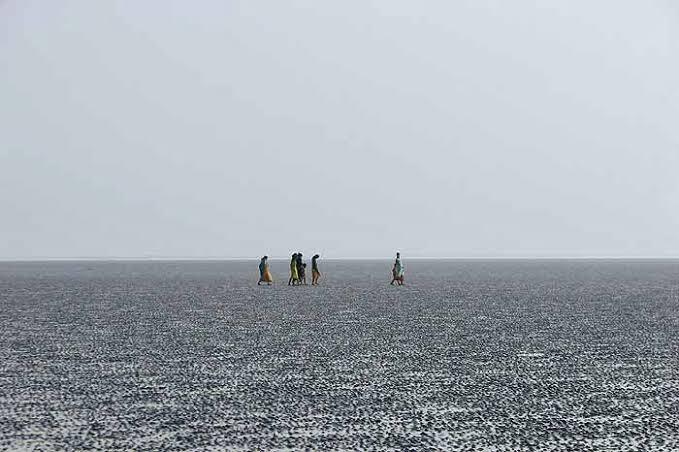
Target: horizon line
{"points": [[341, 258]]}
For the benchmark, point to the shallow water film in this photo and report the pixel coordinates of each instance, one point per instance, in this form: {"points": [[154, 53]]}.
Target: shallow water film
{"points": [[468, 355]]}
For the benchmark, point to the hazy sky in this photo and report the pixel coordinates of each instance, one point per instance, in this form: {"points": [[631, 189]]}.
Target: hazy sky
{"points": [[352, 128]]}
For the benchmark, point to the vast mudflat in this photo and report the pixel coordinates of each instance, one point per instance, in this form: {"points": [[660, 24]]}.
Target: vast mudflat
{"points": [[474, 356]]}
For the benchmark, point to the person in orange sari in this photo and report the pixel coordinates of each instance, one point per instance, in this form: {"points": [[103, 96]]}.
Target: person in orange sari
{"points": [[264, 273]]}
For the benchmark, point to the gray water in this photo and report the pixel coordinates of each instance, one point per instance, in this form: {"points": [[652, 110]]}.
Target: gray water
{"points": [[475, 355]]}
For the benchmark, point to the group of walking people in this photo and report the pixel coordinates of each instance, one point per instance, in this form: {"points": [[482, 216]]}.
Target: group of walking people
{"points": [[298, 271]]}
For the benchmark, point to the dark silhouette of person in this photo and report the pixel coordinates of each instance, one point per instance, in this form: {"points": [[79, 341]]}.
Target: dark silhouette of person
{"points": [[300, 268], [398, 271], [315, 274], [302, 275]]}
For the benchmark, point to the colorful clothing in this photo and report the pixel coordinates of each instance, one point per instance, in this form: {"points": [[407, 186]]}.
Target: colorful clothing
{"points": [[267, 275], [264, 273], [399, 270], [293, 270]]}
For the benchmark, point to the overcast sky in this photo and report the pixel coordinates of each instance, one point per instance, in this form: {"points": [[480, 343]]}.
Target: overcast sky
{"points": [[352, 128]]}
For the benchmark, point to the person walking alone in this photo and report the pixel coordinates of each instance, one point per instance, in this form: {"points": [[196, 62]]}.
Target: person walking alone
{"points": [[264, 273], [315, 274], [398, 272]]}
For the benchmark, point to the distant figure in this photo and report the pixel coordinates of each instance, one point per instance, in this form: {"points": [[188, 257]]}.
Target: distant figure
{"points": [[294, 276], [398, 271], [315, 274], [264, 273], [302, 274], [300, 269]]}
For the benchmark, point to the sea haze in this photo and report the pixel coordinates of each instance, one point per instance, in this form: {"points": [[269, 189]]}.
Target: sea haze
{"points": [[500, 355]]}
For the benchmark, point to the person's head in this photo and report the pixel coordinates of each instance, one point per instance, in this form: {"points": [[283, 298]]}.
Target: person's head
{"points": [[398, 254], [294, 255], [316, 256], [265, 258], [299, 254]]}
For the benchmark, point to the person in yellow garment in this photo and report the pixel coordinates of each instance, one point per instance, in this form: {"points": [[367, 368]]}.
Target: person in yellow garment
{"points": [[294, 276], [264, 273]]}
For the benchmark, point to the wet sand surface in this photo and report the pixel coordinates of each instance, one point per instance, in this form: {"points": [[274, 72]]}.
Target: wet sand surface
{"points": [[472, 356]]}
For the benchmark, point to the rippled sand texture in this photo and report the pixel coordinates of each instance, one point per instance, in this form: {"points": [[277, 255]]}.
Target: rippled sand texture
{"points": [[492, 356]]}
